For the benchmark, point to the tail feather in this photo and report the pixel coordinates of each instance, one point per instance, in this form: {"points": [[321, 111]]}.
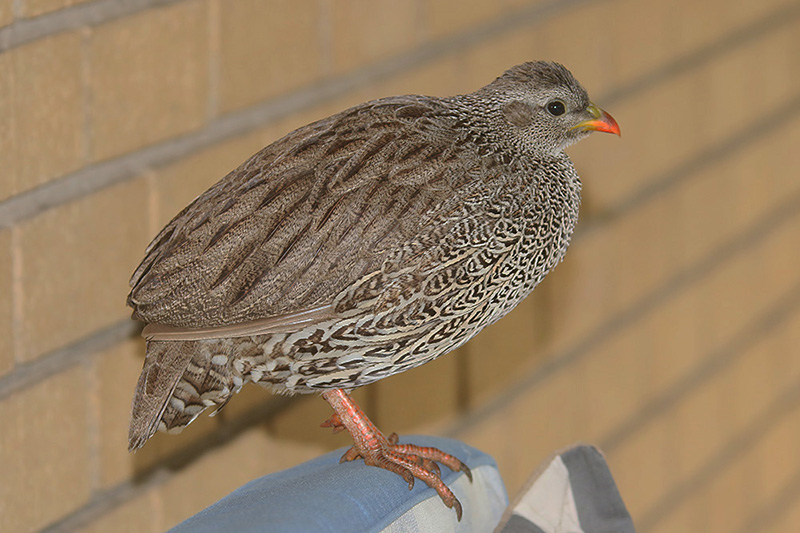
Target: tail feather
{"points": [[180, 379]]}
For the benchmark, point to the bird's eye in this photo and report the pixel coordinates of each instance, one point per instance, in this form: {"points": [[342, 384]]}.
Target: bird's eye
{"points": [[556, 108]]}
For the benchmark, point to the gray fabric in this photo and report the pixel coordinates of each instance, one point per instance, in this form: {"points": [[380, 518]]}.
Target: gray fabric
{"points": [[600, 506], [519, 524], [572, 490]]}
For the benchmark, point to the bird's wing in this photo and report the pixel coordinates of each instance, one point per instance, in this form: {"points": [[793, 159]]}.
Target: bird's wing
{"points": [[304, 218], [261, 326]]}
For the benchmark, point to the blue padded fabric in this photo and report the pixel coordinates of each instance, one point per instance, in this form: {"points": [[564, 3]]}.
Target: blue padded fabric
{"points": [[324, 495]]}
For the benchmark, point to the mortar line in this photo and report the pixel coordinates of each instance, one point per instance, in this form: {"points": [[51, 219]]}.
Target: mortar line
{"points": [[17, 302], [753, 132], [96, 176], [103, 174], [635, 312], [29, 371], [106, 500], [25, 30], [770, 512], [0, 389], [745, 439], [711, 364], [214, 51], [715, 153], [231, 428], [107, 173], [768, 23], [325, 36], [28, 374]]}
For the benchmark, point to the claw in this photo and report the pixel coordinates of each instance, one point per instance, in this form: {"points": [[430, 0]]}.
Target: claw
{"points": [[431, 466], [350, 455], [333, 422], [464, 468], [407, 460]]}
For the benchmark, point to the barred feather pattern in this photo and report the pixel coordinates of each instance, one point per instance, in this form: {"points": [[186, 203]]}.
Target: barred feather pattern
{"points": [[416, 221], [400, 317]]}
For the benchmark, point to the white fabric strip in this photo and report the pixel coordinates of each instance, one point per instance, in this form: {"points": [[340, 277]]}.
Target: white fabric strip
{"points": [[550, 503]]}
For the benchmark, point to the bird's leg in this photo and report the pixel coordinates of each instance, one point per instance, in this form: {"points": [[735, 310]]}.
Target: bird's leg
{"points": [[407, 460]]}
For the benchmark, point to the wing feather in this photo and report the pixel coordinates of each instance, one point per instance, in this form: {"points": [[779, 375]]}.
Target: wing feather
{"points": [[304, 218]]}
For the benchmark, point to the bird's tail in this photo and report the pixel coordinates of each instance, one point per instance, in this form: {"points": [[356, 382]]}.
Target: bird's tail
{"points": [[179, 380]]}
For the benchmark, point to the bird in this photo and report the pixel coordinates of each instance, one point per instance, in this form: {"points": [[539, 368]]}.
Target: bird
{"points": [[360, 246]]}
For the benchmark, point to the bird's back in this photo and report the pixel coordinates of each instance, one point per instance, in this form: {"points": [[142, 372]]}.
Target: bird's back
{"points": [[305, 217]]}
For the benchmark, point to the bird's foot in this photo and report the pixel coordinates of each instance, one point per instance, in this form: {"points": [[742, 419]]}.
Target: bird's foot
{"points": [[407, 460]]}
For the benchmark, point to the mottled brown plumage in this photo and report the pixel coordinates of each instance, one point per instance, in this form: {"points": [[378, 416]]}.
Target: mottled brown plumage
{"points": [[361, 245]]}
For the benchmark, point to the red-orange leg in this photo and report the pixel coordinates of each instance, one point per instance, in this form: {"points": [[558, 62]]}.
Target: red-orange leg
{"points": [[407, 460]]}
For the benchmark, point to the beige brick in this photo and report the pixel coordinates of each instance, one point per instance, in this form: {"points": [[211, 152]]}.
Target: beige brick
{"points": [[641, 468], [647, 252], [494, 435], [744, 288], [749, 385], [545, 418], [300, 421], [742, 12], [776, 454], [499, 354], [8, 183], [613, 383], [149, 77], [366, 31], [771, 269], [48, 123], [699, 421], [444, 17], [266, 49], [179, 183], [721, 121], [140, 514], [779, 79], [754, 175], [581, 289], [726, 304], [75, 263], [34, 8], [6, 12], [115, 376], [222, 470], [728, 107], [675, 351], [437, 78], [641, 37], [704, 224], [786, 519], [659, 132], [420, 396], [712, 20], [482, 63], [728, 498], [688, 515], [6, 303], [786, 365], [572, 38], [44, 452]]}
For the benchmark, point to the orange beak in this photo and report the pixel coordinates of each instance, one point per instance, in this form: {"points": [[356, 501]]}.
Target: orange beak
{"points": [[600, 121]]}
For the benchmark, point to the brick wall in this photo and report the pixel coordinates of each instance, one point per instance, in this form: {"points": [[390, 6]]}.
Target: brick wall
{"points": [[669, 336]]}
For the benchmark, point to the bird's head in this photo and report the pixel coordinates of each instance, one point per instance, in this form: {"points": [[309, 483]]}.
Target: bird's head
{"points": [[542, 109]]}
